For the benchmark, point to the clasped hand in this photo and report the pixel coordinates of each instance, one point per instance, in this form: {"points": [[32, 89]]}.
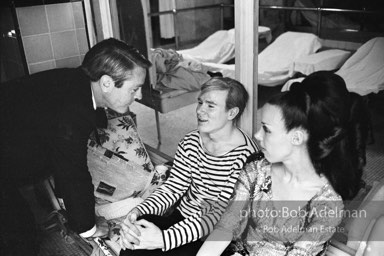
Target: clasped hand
{"points": [[140, 234]]}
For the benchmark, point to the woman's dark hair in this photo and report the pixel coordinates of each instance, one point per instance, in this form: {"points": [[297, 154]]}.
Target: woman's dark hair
{"points": [[237, 95], [337, 124], [113, 58]]}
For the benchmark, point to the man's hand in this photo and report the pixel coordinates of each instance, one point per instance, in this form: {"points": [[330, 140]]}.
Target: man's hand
{"points": [[132, 216], [140, 234], [130, 221], [128, 238], [130, 233], [151, 236]]}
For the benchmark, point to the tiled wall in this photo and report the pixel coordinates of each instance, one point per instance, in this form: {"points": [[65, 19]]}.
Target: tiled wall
{"points": [[53, 35]]}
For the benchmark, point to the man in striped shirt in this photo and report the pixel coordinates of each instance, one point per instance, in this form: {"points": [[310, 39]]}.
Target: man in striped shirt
{"points": [[204, 172]]}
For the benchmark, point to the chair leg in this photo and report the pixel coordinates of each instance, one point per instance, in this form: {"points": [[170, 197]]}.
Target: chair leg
{"points": [[158, 127]]}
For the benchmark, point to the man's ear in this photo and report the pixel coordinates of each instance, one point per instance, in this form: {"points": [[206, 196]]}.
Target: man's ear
{"points": [[232, 113], [106, 83], [299, 136]]}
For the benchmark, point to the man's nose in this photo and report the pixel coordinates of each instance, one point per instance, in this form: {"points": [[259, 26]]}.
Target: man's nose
{"points": [[200, 109], [258, 135], [138, 94]]}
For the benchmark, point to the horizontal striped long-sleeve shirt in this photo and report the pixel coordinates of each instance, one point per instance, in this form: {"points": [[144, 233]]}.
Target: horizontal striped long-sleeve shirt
{"points": [[203, 183]]}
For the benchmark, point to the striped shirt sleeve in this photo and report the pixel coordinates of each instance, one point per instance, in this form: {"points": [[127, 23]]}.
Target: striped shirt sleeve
{"points": [[202, 203], [202, 220], [201, 223], [173, 188]]}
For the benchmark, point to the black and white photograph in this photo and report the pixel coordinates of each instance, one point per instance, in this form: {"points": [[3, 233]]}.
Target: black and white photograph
{"points": [[192, 128]]}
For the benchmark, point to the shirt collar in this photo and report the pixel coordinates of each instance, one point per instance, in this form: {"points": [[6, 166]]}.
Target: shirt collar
{"points": [[93, 101]]}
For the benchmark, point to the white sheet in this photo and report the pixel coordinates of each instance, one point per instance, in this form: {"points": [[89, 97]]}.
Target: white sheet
{"points": [[363, 72], [219, 47], [275, 63], [325, 60]]}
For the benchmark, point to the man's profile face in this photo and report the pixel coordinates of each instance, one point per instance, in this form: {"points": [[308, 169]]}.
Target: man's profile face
{"points": [[119, 99]]}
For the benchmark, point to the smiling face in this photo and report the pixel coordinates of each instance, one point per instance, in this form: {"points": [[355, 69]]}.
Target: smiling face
{"points": [[273, 137], [119, 99], [211, 111]]}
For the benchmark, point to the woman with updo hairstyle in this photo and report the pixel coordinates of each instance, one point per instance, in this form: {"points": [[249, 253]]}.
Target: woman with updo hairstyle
{"points": [[338, 126], [289, 199]]}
